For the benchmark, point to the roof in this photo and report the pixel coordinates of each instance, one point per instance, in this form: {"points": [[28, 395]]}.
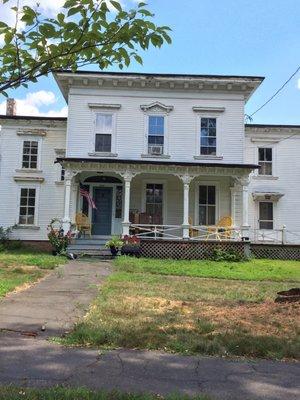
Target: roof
{"points": [[159, 75], [32, 118], [272, 126], [244, 84], [156, 162]]}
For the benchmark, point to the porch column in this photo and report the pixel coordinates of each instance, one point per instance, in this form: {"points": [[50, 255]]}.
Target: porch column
{"points": [[127, 176], [245, 201], [66, 222], [186, 179]]}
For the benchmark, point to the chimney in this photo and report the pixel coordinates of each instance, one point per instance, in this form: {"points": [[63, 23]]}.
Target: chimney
{"points": [[11, 107]]}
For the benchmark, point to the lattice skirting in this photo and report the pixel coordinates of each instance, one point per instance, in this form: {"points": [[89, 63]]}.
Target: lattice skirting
{"points": [[188, 250], [276, 251]]}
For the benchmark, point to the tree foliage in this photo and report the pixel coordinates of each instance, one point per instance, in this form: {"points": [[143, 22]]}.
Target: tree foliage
{"points": [[84, 32]]}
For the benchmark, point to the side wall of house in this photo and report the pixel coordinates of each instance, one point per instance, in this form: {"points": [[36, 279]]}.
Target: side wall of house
{"points": [[182, 123], [51, 137], [285, 179]]}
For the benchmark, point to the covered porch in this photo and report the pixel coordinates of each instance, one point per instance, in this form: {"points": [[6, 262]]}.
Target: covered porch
{"points": [[159, 200]]}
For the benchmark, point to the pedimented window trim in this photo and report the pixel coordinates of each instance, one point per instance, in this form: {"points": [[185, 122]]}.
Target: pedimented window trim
{"points": [[209, 109], [38, 179], [156, 107], [267, 196], [32, 132], [105, 106]]}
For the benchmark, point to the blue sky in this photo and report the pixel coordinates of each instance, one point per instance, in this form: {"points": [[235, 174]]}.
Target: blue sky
{"points": [[238, 37]]}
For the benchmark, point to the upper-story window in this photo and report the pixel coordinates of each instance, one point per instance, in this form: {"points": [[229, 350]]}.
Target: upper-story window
{"points": [[265, 159], [103, 132], [156, 132], [30, 154], [208, 138]]}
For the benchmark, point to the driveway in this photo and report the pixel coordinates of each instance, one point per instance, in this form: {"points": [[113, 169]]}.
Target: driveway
{"points": [[61, 298]]}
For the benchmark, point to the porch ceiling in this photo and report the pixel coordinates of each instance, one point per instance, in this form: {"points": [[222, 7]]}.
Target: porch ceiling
{"points": [[156, 166]]}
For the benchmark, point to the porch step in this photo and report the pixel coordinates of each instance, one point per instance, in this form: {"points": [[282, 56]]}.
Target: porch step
{"points": [[90, 246]]}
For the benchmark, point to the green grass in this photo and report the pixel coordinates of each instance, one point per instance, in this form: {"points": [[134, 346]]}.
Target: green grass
{"points": [[64, 393], [191, 315], [24, 266], [253, 270]]}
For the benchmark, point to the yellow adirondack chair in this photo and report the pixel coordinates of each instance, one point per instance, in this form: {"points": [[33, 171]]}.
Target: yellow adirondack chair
{"points": [[83, 223], [223, 229]]}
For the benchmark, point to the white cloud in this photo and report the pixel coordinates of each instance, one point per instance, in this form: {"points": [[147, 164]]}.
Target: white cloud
{"points": [[30, 105]]}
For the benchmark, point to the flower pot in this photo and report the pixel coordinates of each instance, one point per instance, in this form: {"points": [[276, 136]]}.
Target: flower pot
{"points": [[114, 251], [130, 250]]}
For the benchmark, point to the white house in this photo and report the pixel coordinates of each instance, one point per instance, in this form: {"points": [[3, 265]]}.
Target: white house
{"points": [[164, 156]]}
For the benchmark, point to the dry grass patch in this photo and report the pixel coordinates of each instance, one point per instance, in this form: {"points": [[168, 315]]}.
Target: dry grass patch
{"points": [[191, 316]]}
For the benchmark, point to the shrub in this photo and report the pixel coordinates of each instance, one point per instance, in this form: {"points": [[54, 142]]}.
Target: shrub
{"points": [[226, 255], [4, 234], [59, 241]]}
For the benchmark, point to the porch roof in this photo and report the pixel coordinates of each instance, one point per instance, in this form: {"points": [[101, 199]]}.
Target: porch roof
{"points": [[155, 162]]}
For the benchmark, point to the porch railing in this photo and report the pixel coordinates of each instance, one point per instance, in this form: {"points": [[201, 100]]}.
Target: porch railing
{"points": [[175, 232]]}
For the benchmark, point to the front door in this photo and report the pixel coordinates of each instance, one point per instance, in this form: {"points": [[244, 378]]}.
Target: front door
{"points": [[101, 221]]}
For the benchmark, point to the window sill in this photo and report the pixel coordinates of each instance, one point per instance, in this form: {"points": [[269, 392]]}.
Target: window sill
{"points": [[30, 170], [31, 227], [60, 183], [102, 154], [266, 177], [162, 156], [208, 157], [25, 178]]}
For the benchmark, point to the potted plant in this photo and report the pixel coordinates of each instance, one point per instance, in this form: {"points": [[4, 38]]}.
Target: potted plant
{"points": [[131, 246], [57, 238], [114, 244]]}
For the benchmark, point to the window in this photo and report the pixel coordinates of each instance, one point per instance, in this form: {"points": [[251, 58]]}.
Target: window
{"points": [[27, 206], [208, 136], [119, 202], [104, 131], [207, 205], [265, 161], [156, 130], [154, 202], [62, 174], [266, 215], [30, 154]]}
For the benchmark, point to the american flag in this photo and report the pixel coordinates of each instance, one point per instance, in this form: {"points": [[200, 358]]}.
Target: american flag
{"points": [[86, 194]]}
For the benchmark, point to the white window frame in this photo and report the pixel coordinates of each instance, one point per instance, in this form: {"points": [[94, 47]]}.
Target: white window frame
{"points": [[154, 113], [154, 181], [274, 160], [218, 155], [36, 207], [31, 139], [258, 215], [112, 151], [207, 183]]}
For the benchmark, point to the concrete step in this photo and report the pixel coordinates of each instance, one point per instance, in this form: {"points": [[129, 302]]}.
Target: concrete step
{"points": [[106, 254], [87, 246]]}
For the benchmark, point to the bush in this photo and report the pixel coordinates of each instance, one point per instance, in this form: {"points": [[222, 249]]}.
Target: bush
{"points": [[4, 234], [226, 255], [59, 241]]}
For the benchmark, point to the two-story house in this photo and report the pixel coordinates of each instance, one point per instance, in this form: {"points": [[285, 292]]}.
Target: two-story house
{"points": [[163, 156]]}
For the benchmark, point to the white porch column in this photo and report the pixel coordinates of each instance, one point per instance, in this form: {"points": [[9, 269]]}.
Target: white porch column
{"points": [[66, 222], [127, 176], [186, 179], [245, 201], [233, 191]]}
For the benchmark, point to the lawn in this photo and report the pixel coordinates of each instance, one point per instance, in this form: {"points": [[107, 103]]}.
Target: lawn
{"points": [[22, 267], [147, 305], [63, 393], [255, 269]]}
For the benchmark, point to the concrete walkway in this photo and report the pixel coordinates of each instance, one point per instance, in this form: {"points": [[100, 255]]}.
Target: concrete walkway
{"points": [[63, 297], [56, 302]]}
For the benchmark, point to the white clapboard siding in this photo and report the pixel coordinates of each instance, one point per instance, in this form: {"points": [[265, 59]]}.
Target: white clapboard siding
{"points": [[286, 176], [182, 130], [50, 193]]}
